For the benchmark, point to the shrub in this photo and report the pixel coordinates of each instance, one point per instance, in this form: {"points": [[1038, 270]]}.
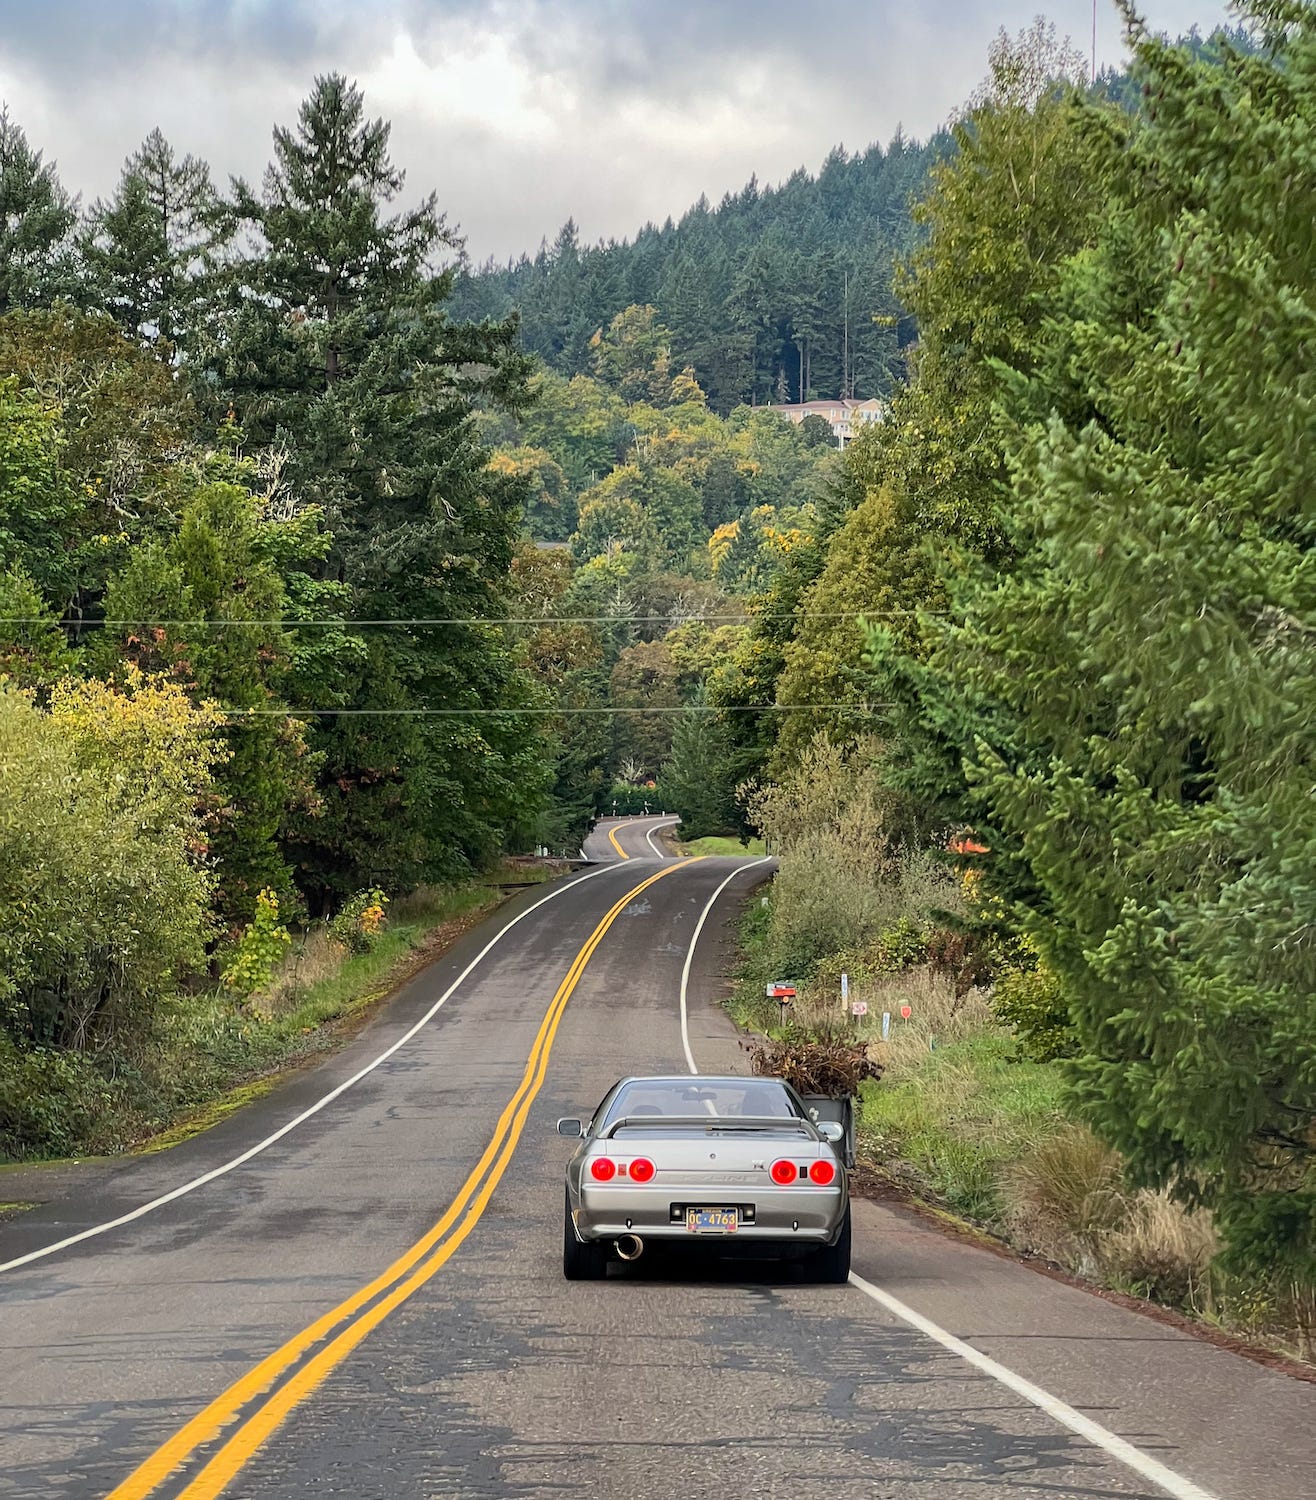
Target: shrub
{"points": [[360, 923], [901, 946], [1032, 1001], [103, 892], [50, 1101], [259, 949]]}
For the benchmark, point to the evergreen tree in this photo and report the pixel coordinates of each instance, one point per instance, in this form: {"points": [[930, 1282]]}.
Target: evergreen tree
{"points": [[36, 221], [340, 347], [1120, 700], [754, 291], [696, 780], [219, 583], [151, 252]]}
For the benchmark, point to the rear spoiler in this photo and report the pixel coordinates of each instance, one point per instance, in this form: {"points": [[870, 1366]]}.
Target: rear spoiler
{"points": [[729, 1123]]}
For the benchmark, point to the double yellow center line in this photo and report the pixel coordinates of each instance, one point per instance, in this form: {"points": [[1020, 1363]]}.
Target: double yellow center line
{"points": [[330, 1339]]}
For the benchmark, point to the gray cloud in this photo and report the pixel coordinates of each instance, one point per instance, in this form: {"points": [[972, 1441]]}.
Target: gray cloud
{"points": [[519, 112]]}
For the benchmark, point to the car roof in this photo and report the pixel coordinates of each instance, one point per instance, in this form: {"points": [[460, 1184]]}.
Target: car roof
{"points": [[686, 1079]]}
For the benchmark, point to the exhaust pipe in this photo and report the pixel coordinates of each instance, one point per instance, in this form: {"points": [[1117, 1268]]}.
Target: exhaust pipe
{"points": [[629, 1247]]}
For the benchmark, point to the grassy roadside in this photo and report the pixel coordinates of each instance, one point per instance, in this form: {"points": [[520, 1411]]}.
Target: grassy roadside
{"points": [[962, 1123], [717, 845], [210, 1055]]}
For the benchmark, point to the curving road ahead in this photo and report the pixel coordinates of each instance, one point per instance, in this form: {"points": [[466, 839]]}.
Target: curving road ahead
{"points": [[353, 1288], [614, 839]]}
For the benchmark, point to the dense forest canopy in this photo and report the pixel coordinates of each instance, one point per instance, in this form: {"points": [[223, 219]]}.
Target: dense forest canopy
{"points": [[777, 294]]}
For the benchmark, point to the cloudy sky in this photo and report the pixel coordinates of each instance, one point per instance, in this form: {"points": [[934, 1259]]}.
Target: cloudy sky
{"points": [[521, 112]]}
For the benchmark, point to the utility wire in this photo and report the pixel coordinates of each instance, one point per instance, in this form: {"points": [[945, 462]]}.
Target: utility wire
{"points": [[674, 620], [552, 713]]}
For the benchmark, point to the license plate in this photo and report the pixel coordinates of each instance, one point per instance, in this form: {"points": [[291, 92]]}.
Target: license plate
{"points": [[712, 1220]]}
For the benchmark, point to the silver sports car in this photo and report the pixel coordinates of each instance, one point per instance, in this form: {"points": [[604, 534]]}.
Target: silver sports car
{"points": [[730, 1166]]}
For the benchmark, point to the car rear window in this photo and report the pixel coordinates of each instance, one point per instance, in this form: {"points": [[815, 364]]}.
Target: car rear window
{"points": [[760, 1097]]}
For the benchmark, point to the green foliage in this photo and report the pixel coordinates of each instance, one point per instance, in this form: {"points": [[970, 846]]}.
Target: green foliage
{"points": [[902, 945], [634, 356], [103, 892], [37, 503], [696, 780], [50, 1099], [36, 220], [1032, 1001], [360, 922], [151, 253], [258, 951], [360, 372], [645, 677], [222, 580], [120, 429], [772, 295], [626, 800], [1117, 700], [34, 651]]}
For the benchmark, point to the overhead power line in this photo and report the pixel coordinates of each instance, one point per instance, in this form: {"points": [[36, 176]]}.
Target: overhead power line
{"points": [[552, 713], [673, 620]]}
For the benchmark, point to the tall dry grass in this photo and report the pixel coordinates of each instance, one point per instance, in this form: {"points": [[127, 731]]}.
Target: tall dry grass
{"points": [[314, 957], [1067, 1200]]}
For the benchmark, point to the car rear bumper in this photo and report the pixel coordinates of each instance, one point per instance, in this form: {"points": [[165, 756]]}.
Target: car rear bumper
{"points": [[810, 1216]]}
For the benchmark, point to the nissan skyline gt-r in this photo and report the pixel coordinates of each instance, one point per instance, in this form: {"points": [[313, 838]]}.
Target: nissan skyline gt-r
{"points": [[726, 1166]]}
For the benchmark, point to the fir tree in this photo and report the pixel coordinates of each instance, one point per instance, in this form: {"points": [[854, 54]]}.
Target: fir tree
{"points": [[696, 780], [340, 346], [151, 252], [36, 220]]}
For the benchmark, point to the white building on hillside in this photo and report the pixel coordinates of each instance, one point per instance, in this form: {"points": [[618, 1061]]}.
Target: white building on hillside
{"points": [[845, 416]]}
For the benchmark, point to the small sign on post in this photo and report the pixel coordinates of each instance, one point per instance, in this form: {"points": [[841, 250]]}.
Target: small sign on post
{"points": [[784, 995], [859, 1008], [906, 1011]]}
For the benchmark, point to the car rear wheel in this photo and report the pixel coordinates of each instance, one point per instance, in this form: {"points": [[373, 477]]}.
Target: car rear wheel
{"points": [[588, 1262], [831, 1264]]}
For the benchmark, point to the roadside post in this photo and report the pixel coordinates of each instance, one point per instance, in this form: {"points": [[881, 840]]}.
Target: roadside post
{"points": [[845, 993], [783, 994], [886, 1025]]}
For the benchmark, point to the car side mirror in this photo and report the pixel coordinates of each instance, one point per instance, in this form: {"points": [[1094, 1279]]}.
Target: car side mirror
{"points": [[831, 1131], [569, 1127]]}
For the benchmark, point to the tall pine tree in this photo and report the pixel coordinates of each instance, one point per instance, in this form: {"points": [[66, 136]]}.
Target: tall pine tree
{"points": [[36, 220], [340, 349], [151, 252]]}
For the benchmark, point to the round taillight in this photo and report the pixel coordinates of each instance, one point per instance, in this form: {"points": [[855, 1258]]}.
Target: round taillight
{"points": [[783, 1173], [822, 1172], [641, 1169], [602, 1170]]}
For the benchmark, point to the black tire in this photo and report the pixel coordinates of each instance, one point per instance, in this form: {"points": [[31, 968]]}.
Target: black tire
{"points": [[587, 1262], [831, 1264]]}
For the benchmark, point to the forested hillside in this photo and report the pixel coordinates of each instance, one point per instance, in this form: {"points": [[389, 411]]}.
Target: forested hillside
{"points": [[777, 294]]}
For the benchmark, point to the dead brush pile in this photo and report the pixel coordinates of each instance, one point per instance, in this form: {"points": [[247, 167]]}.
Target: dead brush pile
{"points": [[831, 1066]]}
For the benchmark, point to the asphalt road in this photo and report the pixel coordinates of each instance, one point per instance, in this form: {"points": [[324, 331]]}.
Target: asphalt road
{"points": [[272, 1331]]}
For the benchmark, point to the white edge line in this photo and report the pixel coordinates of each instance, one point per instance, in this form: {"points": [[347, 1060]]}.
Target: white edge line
{"points": [[1134, 1458], [246, 1156], [648, 837], [690, 956]]}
